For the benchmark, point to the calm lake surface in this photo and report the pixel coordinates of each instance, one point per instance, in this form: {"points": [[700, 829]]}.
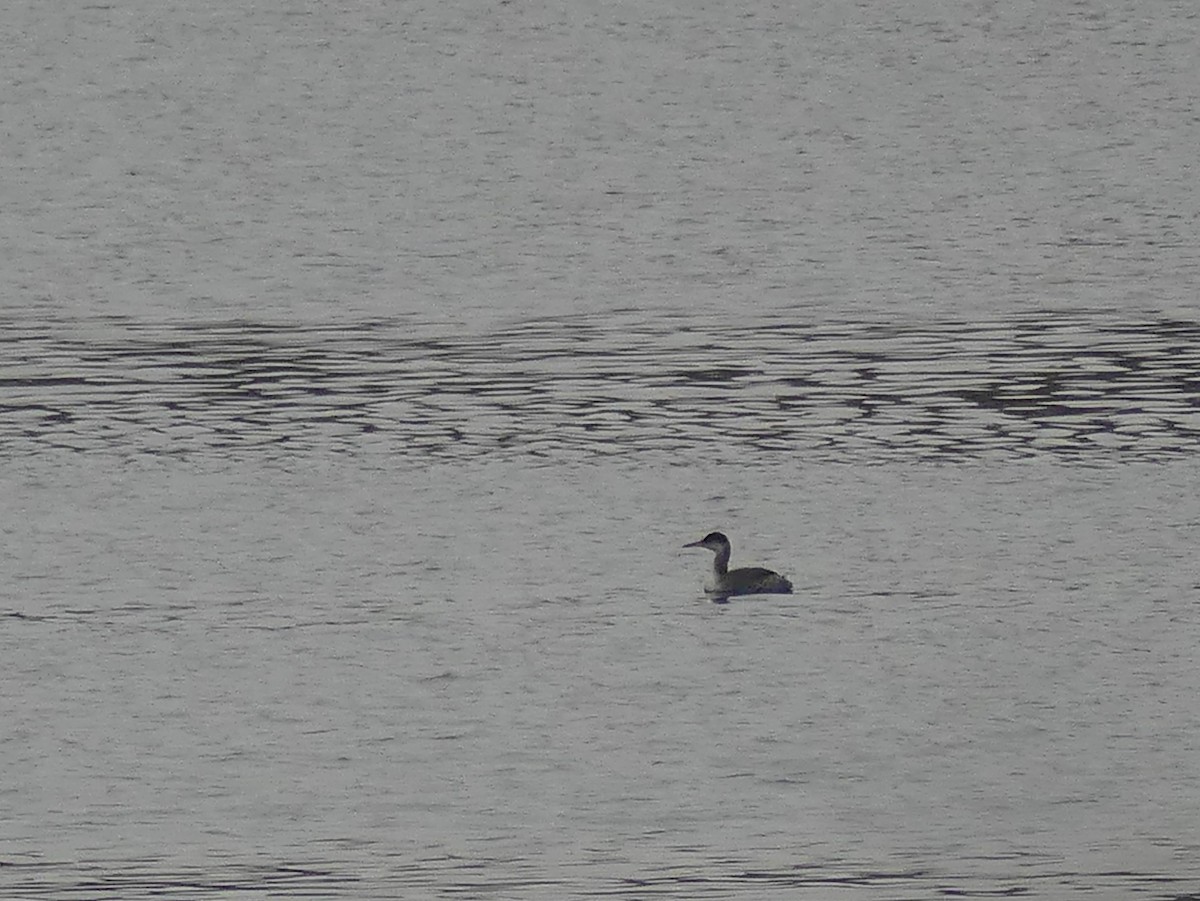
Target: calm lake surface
{"points": [[363, 371]]}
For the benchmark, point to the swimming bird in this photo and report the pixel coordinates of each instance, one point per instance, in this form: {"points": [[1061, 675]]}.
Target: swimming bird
{"points": [[728, 582]]}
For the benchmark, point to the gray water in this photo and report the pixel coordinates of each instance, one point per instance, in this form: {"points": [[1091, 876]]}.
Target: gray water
{"points": [[364, 369]]}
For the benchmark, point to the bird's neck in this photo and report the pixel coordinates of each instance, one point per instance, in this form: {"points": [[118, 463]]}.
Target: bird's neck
{"points": [[721, 562]]}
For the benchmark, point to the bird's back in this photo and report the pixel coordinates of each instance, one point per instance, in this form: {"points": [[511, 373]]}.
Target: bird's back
{"points": [[754, 580]]}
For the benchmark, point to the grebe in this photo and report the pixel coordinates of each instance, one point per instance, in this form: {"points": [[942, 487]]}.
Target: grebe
{"points": [[728, 582]]}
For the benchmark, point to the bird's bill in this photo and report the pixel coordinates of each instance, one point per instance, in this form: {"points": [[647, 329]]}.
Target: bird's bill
{"points": [[695, 544]]}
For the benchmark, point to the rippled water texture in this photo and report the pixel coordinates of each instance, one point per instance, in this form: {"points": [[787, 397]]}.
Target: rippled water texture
{"points": [[1066, 386], [365, 366], [453, 878]]}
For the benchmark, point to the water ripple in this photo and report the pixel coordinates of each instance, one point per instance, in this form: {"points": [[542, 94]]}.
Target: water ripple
{"points": [[500, 878], [1077, 387], [129, 880]]}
